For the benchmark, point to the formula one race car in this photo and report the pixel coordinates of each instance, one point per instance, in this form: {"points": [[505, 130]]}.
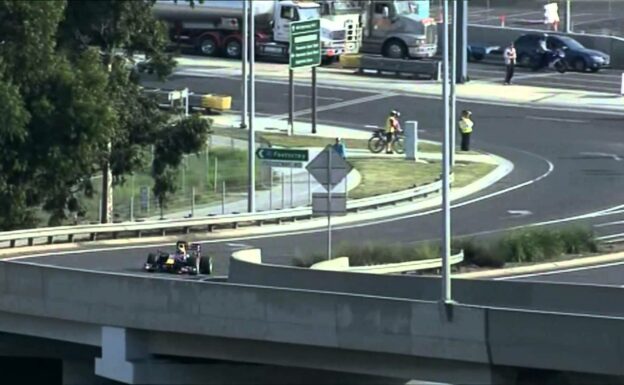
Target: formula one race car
{"points": [[187, 259]]}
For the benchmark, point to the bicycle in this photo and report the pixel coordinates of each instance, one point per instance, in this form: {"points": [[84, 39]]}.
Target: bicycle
{"points": [[378, 142]]}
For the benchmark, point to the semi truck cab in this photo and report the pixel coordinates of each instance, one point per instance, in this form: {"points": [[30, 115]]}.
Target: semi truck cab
{"points": [[345, 13], [332, 34], [395, 29]]}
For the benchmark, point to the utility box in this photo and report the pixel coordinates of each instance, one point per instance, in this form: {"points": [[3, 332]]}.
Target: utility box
{"points": [[216, 102], [350, 60], [411, 140]]}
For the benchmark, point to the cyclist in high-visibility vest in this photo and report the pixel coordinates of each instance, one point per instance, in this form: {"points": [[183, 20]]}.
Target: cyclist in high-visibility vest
{"points": [[393, 127], [465, 127]]}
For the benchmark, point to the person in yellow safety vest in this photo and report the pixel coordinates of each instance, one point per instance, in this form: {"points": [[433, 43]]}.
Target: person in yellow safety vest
{"points": [[465, 127], [393, 127]]}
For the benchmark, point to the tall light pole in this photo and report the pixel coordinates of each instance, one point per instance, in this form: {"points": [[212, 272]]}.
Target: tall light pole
{"points": [[251, 189], [244, 64], [453, 81], [446, 209]]}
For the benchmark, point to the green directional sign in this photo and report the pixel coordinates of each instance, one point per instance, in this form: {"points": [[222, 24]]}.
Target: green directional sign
{"points": [[284, 155], [305, 43]]}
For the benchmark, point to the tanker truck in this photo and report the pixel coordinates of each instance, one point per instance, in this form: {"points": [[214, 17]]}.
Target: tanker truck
{"points": [[392, 28], [214, 27]]}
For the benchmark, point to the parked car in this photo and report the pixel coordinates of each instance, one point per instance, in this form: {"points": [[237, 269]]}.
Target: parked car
{"points": [[577, 57], [478, 51]]}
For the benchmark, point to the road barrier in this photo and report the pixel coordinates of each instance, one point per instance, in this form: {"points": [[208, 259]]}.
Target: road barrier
{"points": [[187, 225], [342, 264], [429, 69]]}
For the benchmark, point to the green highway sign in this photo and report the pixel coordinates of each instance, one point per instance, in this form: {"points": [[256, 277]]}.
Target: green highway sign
{"points": [[284, 155], [305, 43]]}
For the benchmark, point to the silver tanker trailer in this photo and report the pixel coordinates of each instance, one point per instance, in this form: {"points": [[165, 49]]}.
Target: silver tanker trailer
{"points": [[214, 26]]}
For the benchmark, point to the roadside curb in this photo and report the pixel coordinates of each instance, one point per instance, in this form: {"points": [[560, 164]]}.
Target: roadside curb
{"points": [[544, 267]]}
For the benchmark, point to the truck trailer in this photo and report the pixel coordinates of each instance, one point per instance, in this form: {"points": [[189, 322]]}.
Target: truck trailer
{"points": [[392, 28], [214, 27]]}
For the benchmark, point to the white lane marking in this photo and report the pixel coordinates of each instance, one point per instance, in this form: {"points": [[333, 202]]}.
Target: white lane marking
{"points": [[318, 97], [614, 223], [520, 213], [552, 272], [347, 103], [592, 21], [594, 214], [557, 119], [612, 236], [239, 245], [602, 155], [534, 76]]}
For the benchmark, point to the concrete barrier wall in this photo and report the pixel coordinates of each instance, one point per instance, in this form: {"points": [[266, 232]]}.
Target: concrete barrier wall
{"points": [[493, 35], [226, 310], [393, 326], [514, 294]]}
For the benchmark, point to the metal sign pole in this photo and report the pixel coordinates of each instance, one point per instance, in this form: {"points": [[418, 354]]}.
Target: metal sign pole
{"points": [[245, 63], [251, 160], [568, 18], [329, 188], [446, 237], [291, 102], [291, 188], [314, 100]]}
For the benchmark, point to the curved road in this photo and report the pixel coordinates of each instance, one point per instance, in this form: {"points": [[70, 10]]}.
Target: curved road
{"points": [[566, 164]]}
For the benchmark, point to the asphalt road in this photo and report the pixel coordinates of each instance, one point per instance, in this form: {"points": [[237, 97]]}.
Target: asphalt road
{"points": [[587, 16], [492, 69], [566, 165]]}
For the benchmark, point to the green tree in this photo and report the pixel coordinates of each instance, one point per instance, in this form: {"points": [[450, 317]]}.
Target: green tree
{"points": [[66, 92]]}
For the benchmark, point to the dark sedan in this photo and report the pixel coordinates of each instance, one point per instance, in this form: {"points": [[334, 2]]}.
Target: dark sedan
{"points": [[577, 57]]}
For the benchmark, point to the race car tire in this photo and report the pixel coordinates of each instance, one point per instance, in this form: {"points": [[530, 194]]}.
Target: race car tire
{"points": [[193, 261], [205, 265], [151, 258]]}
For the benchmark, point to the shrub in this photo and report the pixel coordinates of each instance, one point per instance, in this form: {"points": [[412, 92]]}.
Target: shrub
{"points": [[309, 260], [521, 246], [379, 253], [479, 253], [578, 240]]}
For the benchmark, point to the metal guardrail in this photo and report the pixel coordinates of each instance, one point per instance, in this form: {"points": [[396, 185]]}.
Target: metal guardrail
{"points": [[342, 264], [186, 225]]}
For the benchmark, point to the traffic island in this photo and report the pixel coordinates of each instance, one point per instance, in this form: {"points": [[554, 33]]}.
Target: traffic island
{"points": [[516, 252]]}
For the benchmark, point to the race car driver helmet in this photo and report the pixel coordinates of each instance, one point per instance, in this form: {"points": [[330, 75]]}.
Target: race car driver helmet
{"points": [[180, 248]]}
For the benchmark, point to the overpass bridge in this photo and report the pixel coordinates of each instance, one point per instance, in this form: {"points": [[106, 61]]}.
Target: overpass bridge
{"points": [[157, 331]]}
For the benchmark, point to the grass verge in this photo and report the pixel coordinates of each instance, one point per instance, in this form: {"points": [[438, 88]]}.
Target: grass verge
{"points": [[525, 246], [295, 141], [383, 176]]}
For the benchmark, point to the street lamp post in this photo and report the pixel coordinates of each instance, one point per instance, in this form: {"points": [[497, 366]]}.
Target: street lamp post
{"points": [[244, 64], [453, 112], [446, 239], [251, 189]]}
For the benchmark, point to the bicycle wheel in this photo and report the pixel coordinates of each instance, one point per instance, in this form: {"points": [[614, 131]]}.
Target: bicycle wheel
{"points": [[398, 145], [376, 144]]}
